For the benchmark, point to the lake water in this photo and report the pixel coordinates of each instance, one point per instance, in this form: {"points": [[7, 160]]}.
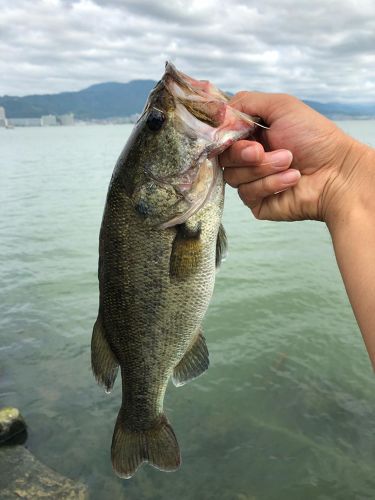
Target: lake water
{"points": [[287, 408]]}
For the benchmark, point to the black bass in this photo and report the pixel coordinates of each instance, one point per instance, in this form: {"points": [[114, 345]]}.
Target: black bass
{"points": [[160, 242]]}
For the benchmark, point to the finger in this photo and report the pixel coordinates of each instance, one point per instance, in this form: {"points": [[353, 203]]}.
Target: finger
{"points": [[252, 193], [273, 162], [242, 153], [260, 103]]}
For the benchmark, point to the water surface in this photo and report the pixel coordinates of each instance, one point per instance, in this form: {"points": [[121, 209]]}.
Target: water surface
{"points": [[286, 410]]}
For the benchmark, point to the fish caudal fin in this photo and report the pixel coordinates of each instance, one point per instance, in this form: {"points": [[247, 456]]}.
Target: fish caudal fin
{"points": [[103, 362], [194, 363], [158, 446]]}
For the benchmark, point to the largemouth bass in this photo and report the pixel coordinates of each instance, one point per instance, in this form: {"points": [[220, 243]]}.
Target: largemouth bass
{"points": [[160, 242]]}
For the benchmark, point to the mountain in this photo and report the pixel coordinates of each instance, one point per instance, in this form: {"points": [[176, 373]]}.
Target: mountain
{"points": [[338, 109], [112, 99], [103, 100]]}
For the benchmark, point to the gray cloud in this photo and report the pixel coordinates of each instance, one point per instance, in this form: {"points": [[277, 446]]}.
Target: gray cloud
{"points": [[318, 50]]}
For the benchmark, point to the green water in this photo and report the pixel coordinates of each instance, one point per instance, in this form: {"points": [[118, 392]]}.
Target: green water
{"points": [[287, 408]]}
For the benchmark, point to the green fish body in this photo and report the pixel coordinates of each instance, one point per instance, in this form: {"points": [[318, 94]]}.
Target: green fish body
{"points": [[160, 243]]}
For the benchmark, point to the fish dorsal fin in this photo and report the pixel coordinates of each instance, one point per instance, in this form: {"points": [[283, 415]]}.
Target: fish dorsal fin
{"points": [[194, 363], [221, 245]]}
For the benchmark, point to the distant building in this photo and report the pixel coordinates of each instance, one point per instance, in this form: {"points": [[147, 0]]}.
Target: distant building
{"points": [[48, 120], [3, 118], [44, 121], [67, 119], [24, 122]]}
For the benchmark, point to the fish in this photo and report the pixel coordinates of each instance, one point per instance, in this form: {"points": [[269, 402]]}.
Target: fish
{"points": [[161, 240]]}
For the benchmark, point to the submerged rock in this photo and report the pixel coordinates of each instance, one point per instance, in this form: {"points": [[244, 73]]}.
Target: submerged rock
{"points": [[11, 424], [23, 476]]}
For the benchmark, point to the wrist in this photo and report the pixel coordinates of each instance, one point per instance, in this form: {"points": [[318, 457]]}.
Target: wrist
{"points": [[349, 194]]}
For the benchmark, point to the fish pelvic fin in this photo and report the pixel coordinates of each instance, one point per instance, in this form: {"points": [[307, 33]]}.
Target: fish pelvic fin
{"points": [[221, 246], [103, 362], [157, 446], [194, 363]]}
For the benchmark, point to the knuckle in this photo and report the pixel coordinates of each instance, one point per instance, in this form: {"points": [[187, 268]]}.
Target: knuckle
{"points": [[266, 185], [229, 178], [241, 94], [256, 213], [259, 152], [288, 99], [223, 159], [231, 156], [247, 195]]}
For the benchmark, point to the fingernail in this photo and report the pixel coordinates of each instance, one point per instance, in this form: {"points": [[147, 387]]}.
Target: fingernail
{"points": [[289, 177], [280, 158], [250, 154]]}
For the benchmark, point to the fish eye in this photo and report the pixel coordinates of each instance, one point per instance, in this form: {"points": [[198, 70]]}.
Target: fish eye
{"points": [[155, 120]]}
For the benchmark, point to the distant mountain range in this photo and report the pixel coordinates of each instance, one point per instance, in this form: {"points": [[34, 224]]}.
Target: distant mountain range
{"points": [[111, 99], [104, 100]]}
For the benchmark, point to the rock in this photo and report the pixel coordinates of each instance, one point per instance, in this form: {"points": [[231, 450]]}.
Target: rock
{"points": [[23, 476], [11, 424]]}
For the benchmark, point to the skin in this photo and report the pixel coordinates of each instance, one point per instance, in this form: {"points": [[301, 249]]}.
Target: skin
{"points": [[305, 167]]}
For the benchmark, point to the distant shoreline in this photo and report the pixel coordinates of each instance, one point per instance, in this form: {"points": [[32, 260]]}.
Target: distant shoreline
{"points": [[123, 102]]}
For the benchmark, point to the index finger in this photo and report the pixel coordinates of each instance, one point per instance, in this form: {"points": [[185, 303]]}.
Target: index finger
{"points": [[242, 153]]}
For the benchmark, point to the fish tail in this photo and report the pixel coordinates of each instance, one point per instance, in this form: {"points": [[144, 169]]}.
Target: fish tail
{"points": [[157, 445]]}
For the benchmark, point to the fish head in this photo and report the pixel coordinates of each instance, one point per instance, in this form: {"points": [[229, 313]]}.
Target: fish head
{"points": [[170, 171]]}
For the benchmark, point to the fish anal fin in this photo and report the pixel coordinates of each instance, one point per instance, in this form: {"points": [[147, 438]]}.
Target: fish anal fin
{"points": [[186, 252], [103, 362], [221, 245], [194, 362], [157, 445]]}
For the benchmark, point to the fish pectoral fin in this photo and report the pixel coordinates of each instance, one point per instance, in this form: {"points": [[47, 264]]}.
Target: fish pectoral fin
{"points": [[103, 362], [221, 245], [194, 363], [158, 446], [186, 252]]}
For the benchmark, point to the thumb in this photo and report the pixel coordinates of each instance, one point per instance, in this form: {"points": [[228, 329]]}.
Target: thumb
{"points": [[261, 104]]}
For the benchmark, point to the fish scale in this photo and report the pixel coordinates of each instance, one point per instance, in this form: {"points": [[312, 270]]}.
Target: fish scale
{"points": [[157, 259]]}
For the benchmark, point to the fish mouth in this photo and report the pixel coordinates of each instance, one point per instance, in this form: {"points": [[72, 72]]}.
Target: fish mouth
{"points": [[215, 119], [204, 112], [201, 88]]}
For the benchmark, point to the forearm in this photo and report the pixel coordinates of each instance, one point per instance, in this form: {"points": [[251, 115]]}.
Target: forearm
{"points": [[353, 233]]}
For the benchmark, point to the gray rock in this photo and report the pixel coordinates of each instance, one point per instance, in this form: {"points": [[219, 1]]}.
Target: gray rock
{"points": [[23, 476], [11, 424]]}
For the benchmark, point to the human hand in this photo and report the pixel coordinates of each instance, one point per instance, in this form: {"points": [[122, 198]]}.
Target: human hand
{"points": [[331, 178], [320, 174]]}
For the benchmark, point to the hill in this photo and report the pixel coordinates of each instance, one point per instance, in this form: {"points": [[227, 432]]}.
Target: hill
{"points": [[104, 100], [344, 110], [112, 99]]}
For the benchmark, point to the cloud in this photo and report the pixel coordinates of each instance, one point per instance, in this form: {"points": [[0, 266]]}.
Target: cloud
{"points": [[317, 50]]}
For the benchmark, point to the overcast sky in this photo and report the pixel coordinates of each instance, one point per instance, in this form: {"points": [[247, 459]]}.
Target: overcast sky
{"points": [[321, 49]]}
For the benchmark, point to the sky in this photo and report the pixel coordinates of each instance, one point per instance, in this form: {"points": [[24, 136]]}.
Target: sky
{"points": [[322, 49]]}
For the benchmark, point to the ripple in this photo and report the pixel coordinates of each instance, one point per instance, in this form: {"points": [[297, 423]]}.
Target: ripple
{"points": [[286, 409]]}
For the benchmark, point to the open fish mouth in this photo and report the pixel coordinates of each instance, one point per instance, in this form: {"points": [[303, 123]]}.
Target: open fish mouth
{"points": [[201, 88], [204, 110]]}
